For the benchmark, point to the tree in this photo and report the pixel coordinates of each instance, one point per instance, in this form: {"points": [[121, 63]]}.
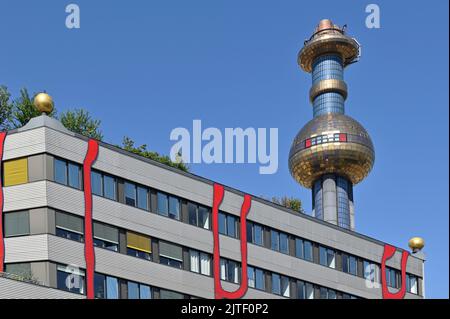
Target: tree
{"points": [[17, 112], [5, 109], [128, 145], [289, 202], [24, 109], [81, 122]]}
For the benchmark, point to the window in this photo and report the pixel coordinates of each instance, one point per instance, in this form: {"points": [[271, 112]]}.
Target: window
{"points": [[60, 171], [198, 215], [308, 251], [69, 226], [96, 182], [170, 254], [17, 224], [139, 245], [304, 290], [22, 270], [130, 194], [279, 241], [205, 264], [326, 293], [371, 271], [142, 197], [74, 176], [99, 286], [112, 288], [167, 294], [109, 184], [222, 223], [255, 278], [70, 279], [67, 173], [299, 250], [392, 277], [174, 208], [349, 264], [194, 257], [229, 270], [251, 277], [163, 205], [227, 225], [327, 257], [276, 284], [138, 291], [200, 262], [284, 243], [285, 287], [275, 240], [15, 172], [411, 284], [255, 233], [106, 236]]}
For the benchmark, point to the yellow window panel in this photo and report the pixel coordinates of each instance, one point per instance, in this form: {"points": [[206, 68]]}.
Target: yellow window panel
{"points": [[15, 172], [139, 242]]}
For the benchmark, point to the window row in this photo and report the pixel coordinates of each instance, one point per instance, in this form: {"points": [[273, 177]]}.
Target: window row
{"points": [[137, 245], [108, 287]]}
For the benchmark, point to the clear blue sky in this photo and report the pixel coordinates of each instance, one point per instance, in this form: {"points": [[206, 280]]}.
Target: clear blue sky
{"points": [[146, 67]]}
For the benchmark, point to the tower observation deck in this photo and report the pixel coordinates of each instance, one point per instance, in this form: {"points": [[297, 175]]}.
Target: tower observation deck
{"points": [[332, 152]]}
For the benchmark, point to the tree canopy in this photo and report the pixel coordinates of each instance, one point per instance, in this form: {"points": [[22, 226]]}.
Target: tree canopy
{"points": [[15, 113]]}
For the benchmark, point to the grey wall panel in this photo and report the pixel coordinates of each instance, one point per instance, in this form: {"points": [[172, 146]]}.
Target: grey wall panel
{"points": [[24, 143], [37, 168], [13, 289], [26, 248], [25, 196], [39, 221]]}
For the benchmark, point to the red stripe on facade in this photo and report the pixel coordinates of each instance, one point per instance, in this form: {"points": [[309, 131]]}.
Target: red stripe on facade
{"points": [[388, 252], [220, 293], [2, 241], [89, 254]]}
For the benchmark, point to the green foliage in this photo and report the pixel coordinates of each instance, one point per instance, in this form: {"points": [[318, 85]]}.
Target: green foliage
{"points": [[128, 145], [81, 122], [5, 109], [17, 112], [24, 109], [289, 202]]}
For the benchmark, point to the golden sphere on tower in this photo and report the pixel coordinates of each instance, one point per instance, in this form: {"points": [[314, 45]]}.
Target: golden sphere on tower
{"points": [[416, 243], [43, 103]]}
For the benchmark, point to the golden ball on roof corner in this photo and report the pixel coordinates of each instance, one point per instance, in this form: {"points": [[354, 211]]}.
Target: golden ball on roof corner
{"points": [[43, 103], [416, 244]]}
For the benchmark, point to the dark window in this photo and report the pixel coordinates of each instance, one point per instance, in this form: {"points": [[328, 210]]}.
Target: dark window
{"points": [[174, 208], [70, 279], [96, 182], [17, 224], [69, 226], [222, 224], [110, 187], [74, 176], [142, 196], [163, 205], [106, 236], [130, 194], [60, 171], [231, 226]]}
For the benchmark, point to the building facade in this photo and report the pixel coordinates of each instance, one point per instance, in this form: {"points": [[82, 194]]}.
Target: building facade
{"points": [[85, 219]]}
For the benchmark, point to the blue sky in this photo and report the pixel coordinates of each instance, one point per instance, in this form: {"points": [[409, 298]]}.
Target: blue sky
{"points": [[146, 67]]}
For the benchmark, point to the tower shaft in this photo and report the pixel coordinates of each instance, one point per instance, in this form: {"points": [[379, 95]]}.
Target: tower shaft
{"points": [[332, 152]]}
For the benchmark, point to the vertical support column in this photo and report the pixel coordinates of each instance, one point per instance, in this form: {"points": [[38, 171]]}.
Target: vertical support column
{"points": [[329, 199]]}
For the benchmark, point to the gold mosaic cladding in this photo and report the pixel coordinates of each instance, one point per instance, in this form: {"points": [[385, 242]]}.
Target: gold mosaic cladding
{"points": [[328, 85], [347, 47], [348, 159]]}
